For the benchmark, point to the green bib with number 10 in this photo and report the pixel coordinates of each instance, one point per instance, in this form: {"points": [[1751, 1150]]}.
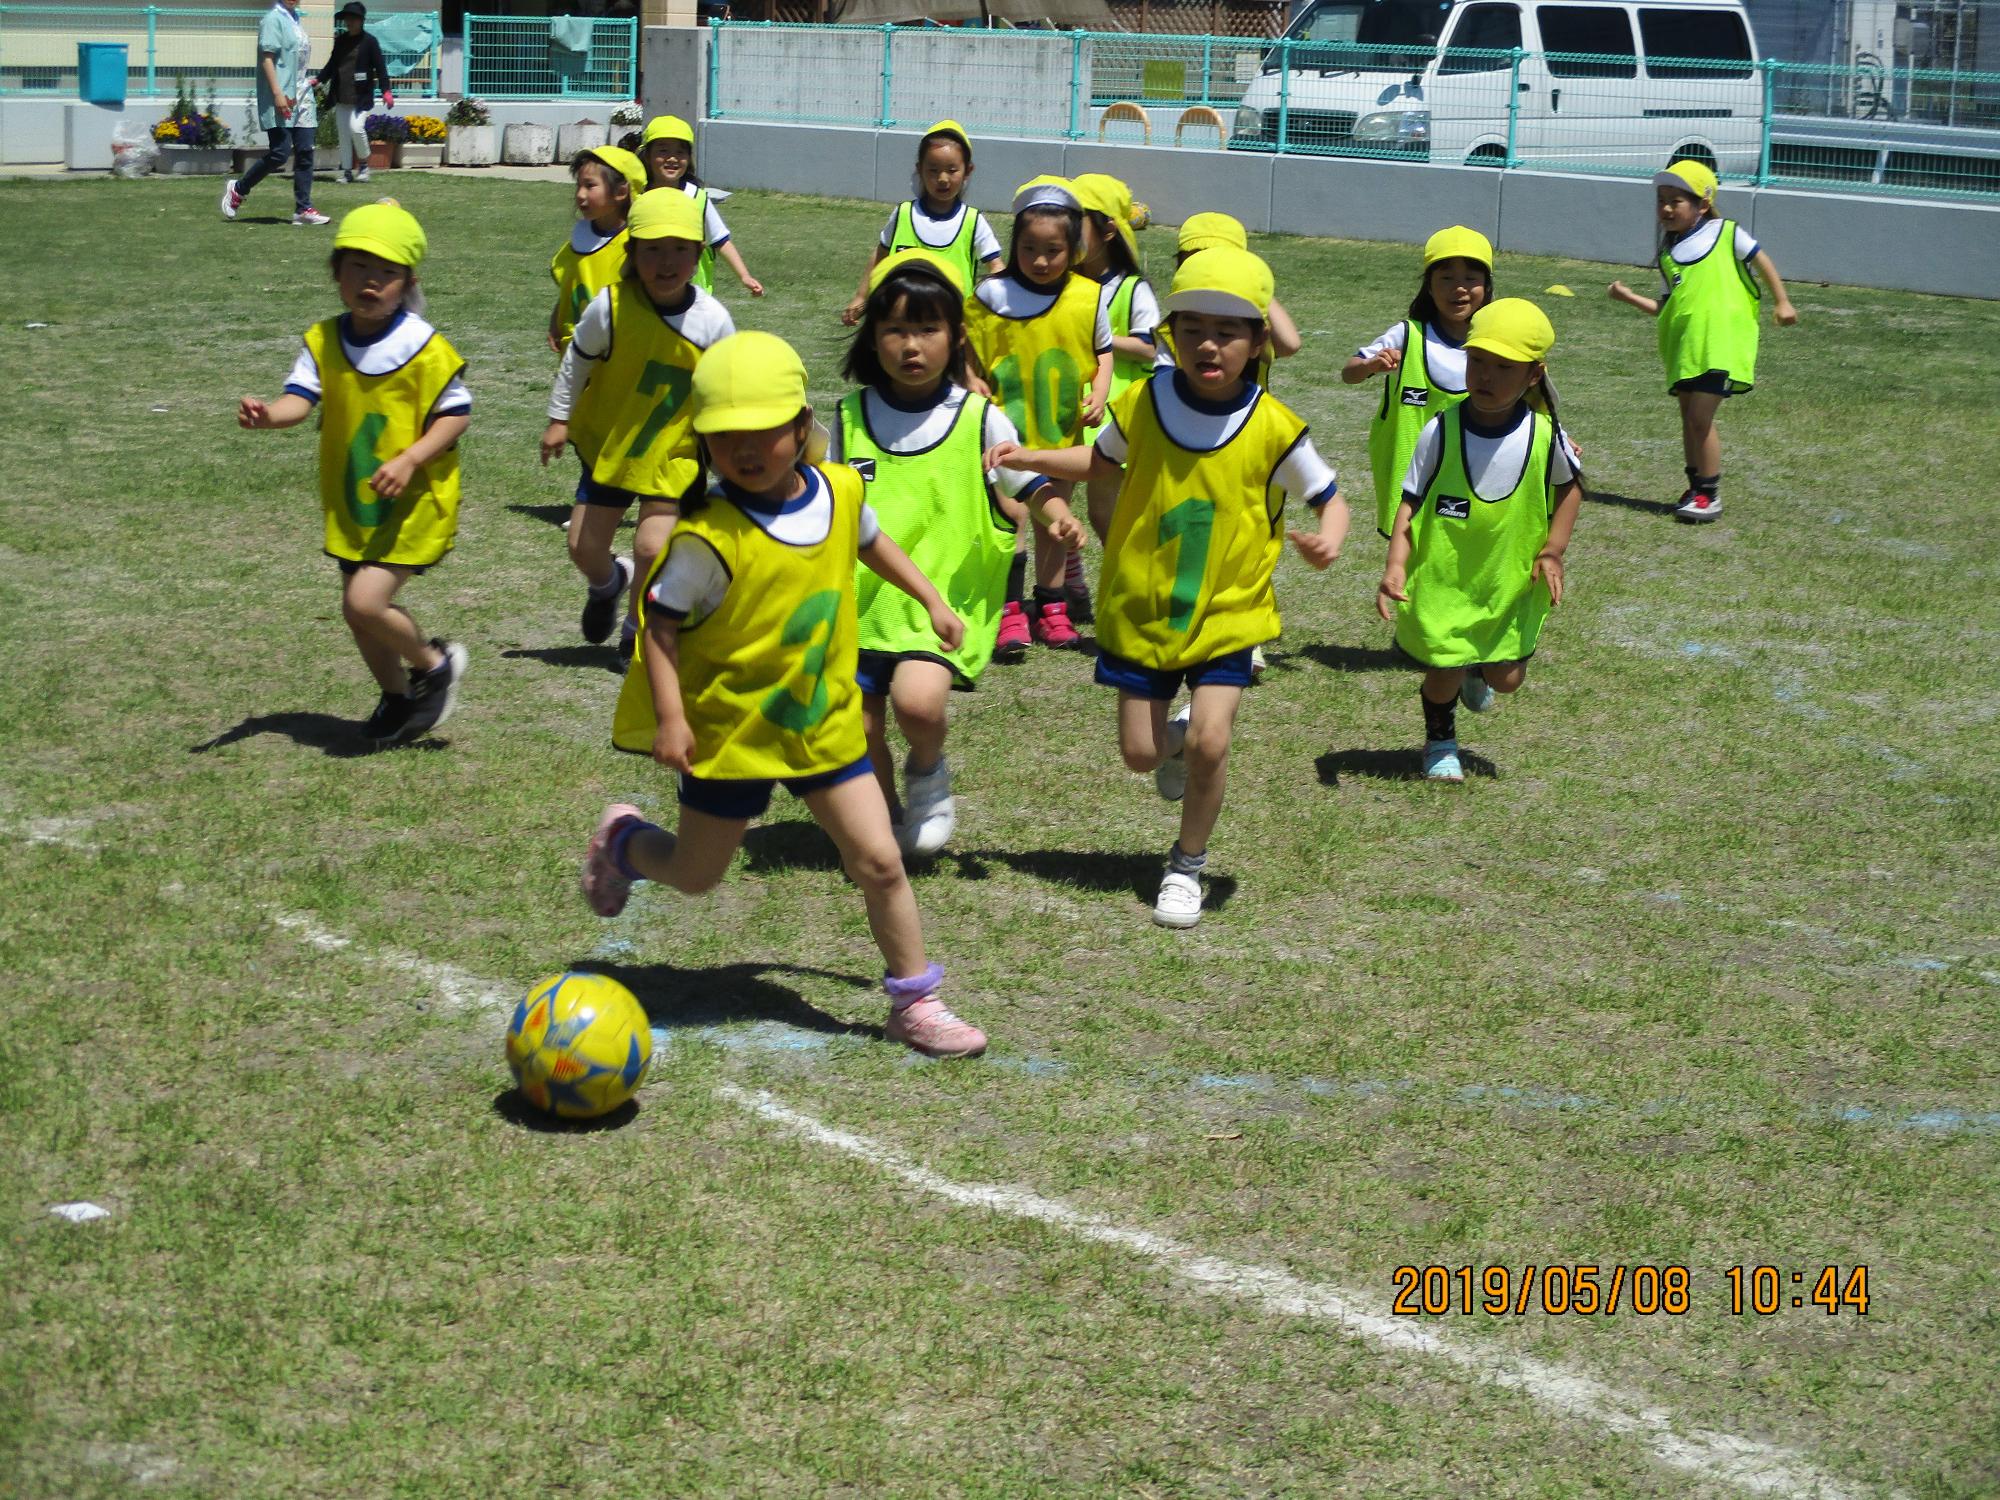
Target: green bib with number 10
{"points": [[633, 423], [1195, 537]]}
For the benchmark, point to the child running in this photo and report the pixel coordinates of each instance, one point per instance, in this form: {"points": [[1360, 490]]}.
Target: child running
{"points": [[621, 395], [1033, 331], [608, 182], [1208, 457], [1476, 550], [938, 219], [667, 149], [1213, 231], [1111, 258], [1707, 309], [917, 436], [746, 676], [1422, 357], [392, 406]]}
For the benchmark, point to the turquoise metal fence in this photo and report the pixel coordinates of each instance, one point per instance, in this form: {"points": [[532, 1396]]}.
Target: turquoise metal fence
{"points": [[211, 50], [1932, 132], [551, 57]]}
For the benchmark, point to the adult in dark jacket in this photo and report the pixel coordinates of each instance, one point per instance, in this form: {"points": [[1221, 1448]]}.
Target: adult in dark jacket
{"points": [[353, 72]]}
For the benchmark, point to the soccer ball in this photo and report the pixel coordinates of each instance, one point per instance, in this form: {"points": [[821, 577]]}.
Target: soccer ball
{"points": [[579, 1045]]}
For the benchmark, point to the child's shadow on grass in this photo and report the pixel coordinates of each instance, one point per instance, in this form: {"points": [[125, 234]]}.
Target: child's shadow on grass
{"points": [[1631, 502], [608, 657], [1137, 875], [338, 738], [1391, 765], [1358, 658], [555, 515]]}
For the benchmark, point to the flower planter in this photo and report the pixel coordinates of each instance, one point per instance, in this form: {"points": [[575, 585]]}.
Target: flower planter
{"points": [[418, 154], [472, 145], [584, 135], [195, 161], [528, 146], [383, 154]]}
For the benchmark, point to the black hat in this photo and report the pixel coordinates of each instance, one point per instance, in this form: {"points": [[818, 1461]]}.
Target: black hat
{"points": [[353, 8]]}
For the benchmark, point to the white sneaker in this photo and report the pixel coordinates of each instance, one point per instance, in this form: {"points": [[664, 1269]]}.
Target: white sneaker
{"points": [[360, 174], [307, 217], [347, 175], [1179, 902], [1257, 663], [1170, 777], [231, 199], [929, 813], [1475, 692]]}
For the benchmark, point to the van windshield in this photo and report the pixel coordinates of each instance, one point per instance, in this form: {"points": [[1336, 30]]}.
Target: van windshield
{"points": [[1399, 35]]}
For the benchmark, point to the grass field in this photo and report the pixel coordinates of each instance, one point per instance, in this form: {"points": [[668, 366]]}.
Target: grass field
{"points": [[1700, 971]]}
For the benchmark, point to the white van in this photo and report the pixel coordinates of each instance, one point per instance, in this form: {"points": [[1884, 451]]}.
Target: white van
{"points": [[1605, 85]]}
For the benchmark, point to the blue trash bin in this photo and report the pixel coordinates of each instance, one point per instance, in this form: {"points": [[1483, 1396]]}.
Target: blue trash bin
{"points": [[100, 72]]}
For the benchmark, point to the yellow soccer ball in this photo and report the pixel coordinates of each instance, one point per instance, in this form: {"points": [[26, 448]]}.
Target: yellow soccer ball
{"points": [[579, 1045]]}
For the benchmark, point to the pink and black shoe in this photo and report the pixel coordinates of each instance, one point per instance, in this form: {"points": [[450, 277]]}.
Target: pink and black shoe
{"points": [[1012, 643]]}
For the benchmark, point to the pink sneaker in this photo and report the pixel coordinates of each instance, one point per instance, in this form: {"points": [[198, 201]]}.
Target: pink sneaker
{"points": [[1052, 626], [1012, 644], [934, 1031], [605, 886]]}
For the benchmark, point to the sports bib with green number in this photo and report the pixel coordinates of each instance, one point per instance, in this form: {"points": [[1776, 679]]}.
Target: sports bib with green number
{"points": [[366, 420], [579, 277], [767, 679], [1041, 367], [1195, 537], [633, 424]]}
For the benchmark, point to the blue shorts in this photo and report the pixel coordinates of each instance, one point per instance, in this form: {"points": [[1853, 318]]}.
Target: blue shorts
{"points": [[873, 670], [590, 492], [750, 798], [1231, 670]]}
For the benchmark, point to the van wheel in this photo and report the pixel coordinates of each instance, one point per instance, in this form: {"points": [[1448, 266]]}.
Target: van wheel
{"points": [[1694, 151], [1487, 156]]}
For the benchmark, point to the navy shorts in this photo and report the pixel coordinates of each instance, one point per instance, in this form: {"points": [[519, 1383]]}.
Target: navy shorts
{"points": [[349, 567], [590, 492], [874, 669], [750, 798], [1231, 670]]}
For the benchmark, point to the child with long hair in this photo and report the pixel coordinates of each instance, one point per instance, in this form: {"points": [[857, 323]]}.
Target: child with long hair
{"points": [[937, 218], [667, 149], [1707, 309], [1476, 547], [747, 674], [917, 436], [1111, 258], [608, 182], [621, 396], [1422, 357], [1041, 340], [392, 406]]}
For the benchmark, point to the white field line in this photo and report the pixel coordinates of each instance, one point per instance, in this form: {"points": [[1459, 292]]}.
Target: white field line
{"points": [[458, 989], [1757, 1468]]}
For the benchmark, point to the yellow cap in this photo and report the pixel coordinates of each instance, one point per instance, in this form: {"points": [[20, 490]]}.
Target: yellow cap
{"points": [[1224, 282], [1689, 177], [1513, 328], [956, 131], [666, 128], [748, 382], [918, 259], [665, 214], [386, 229], [1213, 232], [1045, 192], [621, 161], [1102, 194], [1460, 241]]}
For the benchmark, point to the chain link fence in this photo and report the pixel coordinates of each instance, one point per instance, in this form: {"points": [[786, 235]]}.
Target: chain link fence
{"points": [[551, 57]]}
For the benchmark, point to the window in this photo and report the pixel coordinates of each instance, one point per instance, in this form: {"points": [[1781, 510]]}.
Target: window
{"points": [[1482, 38], [1392, 34], [1602, 35], [1704, 43]]}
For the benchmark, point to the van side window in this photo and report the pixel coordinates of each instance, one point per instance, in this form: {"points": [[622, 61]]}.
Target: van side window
{"points": [[1706, 43], [1482, 38], [1588, 41]]}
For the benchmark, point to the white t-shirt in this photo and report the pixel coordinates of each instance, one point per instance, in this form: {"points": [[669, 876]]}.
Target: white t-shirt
{"points": [[701, 322], [1203, 426], [938, 233], [1494, 464], [905, 429], [391, 349], [1443, 360], [712, 227], [1012, 297], [693, 580], [1145, 307], [585, 240]]}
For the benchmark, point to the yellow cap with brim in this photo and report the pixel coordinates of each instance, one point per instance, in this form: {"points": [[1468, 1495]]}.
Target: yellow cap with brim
{"points": [[1212, 232], [918, 259], [666, 128], [954, 130], [1689, 177], [748, 382], [1045, 192], [621, 161], [1224, 283], [386, 229], [1100, 193], [665, 215], [1513, 328], [1468, 244]]}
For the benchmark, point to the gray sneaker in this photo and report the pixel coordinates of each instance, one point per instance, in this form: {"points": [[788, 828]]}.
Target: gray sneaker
{"points": [[307, 218]]}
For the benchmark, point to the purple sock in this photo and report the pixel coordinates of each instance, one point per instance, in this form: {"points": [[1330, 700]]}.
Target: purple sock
{"points": [[620, 838], [905, 992]]}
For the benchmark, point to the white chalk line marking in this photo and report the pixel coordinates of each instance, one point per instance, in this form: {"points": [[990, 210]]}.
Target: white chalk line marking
{"points": [[1758, 1468], [458, 989]]}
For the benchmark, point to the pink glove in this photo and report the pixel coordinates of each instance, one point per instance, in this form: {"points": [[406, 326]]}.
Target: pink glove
{"points": [[388, 100]]}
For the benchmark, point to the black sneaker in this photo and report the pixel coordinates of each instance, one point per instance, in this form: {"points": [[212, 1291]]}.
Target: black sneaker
{"points": [[434, 694], [599, 611], [392, 712]]}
